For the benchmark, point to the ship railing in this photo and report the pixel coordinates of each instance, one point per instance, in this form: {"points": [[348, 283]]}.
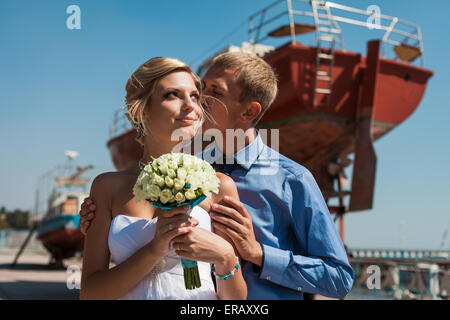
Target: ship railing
{"points": [[119, 124], [405, 37]]}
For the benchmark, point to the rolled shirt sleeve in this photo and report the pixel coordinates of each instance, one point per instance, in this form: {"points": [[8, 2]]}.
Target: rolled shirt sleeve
{"points": [[324, 268]]}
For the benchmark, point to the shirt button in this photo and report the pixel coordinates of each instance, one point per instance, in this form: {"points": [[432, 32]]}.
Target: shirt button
{"points": [[299, 288], [268, 277]]}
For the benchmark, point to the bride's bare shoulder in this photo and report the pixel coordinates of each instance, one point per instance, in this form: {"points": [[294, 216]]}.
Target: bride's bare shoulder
{"points": [[107, 181], [115, 178], [106, 177], [227, 187]]}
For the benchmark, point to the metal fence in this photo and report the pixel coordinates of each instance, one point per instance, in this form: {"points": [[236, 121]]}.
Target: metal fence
{"points": [[397, 32]]}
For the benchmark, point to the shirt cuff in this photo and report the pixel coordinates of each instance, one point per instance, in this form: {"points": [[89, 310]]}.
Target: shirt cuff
{"points": [[257, 269], [275, 262]]}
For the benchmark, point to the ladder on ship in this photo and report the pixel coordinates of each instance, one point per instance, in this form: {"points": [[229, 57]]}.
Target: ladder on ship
{"points": [[327, 31]]}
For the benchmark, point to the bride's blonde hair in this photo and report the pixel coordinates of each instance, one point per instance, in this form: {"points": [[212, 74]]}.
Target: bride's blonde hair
{"points": [[142, 83]]}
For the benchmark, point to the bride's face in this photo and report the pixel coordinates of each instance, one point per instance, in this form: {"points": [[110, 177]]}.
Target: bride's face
{"points": [[174, 108]]}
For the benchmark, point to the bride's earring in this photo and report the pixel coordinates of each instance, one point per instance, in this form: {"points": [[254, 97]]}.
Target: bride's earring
{"points": [[139, 128], [136, 124]]}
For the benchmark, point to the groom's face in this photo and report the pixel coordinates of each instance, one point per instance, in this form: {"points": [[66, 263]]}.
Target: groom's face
{"points": [[223, 102]]}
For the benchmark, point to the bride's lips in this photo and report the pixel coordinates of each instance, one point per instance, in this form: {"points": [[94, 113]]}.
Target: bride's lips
{"points": [[187, 120]]}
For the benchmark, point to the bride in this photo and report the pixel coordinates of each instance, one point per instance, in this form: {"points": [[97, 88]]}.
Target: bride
{"points": [[147, 243]]}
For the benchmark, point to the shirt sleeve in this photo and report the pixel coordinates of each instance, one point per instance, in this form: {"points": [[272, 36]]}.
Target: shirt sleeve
{"points": [[324, 269]]}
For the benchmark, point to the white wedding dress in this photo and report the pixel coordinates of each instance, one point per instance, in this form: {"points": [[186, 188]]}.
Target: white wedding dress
{"points": [[166, 281]]}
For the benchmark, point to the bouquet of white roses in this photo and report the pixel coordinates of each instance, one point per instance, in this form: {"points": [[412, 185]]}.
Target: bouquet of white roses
{"points": [[177, 179]]}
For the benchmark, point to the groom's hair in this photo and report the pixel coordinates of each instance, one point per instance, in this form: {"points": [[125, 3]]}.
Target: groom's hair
{"points": [[255, 77]]}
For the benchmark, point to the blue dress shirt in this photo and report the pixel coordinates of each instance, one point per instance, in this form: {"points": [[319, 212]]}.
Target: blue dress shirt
{"points": [[302, 250]]}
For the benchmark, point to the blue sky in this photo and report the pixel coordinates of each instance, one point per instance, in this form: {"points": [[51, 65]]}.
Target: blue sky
{"points": [[60, 88]]}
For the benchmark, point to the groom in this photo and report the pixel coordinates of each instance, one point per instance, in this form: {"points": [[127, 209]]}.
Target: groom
{"points": [[282, 230]]}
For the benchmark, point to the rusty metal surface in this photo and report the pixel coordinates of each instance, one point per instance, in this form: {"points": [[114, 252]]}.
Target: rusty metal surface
{"points": [[363, 182]]}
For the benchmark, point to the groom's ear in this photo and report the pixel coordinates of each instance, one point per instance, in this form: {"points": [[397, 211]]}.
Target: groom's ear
{"points": [[251, 112]]}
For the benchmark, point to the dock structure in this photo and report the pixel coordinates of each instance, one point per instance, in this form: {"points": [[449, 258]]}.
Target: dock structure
{"points": [[400, 274]]}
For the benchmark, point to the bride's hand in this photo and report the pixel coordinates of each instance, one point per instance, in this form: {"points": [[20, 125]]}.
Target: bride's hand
{"points": [[171, 223], [203, 245]]}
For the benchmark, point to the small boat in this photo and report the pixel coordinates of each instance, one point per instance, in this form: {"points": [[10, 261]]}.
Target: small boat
{"points": [[59, 229]]}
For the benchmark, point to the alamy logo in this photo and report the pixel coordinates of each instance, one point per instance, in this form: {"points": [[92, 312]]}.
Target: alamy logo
{"points": [[234, 139], [74, 20], [374, 20], [74, 278], [374, 280]]}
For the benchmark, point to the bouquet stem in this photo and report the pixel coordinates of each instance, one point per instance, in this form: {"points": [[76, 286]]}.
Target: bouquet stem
{"points": [[191, 274]]}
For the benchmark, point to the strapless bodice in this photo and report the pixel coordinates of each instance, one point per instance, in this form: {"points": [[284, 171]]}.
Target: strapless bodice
{"points": [[129, 234]]}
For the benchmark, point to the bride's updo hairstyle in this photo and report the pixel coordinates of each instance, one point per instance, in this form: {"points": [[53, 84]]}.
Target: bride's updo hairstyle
{"points": [[143, 81]]}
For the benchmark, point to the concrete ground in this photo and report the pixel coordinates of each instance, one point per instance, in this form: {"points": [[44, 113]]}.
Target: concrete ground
{"points": [[32, 279]]}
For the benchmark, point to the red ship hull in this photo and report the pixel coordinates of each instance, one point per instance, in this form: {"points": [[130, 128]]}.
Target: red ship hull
{"points": [[125, 150], [63, 243], [400, 86]]}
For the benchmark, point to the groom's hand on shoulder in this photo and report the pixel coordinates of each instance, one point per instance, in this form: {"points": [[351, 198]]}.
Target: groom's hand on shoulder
{"points": [[87, 214], [236, 222]]}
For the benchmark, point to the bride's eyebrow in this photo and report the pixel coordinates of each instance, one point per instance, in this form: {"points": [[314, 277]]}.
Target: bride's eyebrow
{"points": [[171, 89]]}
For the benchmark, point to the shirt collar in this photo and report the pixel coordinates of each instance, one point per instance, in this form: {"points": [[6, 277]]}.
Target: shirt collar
{"points": [[245, 157]]}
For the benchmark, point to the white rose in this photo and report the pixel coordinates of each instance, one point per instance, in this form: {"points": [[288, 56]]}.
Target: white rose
{"points": [[163, 166], [158, 180], [147, 179], [171, 173], [148, 168], [169, 181], [206, 166], [179, 197], [212, 185], [187, 162], [166, 195], [154, 192], [173, 164], [195, 180], [178, 184], [190, 194], [178, 157], [138, 193], [141, 176], [181, 173], [210, 170], [197, 163]]}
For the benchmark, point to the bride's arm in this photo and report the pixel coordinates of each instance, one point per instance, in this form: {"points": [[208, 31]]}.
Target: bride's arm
{"points": [[235, 286], [227, 187], [97, 280]]}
